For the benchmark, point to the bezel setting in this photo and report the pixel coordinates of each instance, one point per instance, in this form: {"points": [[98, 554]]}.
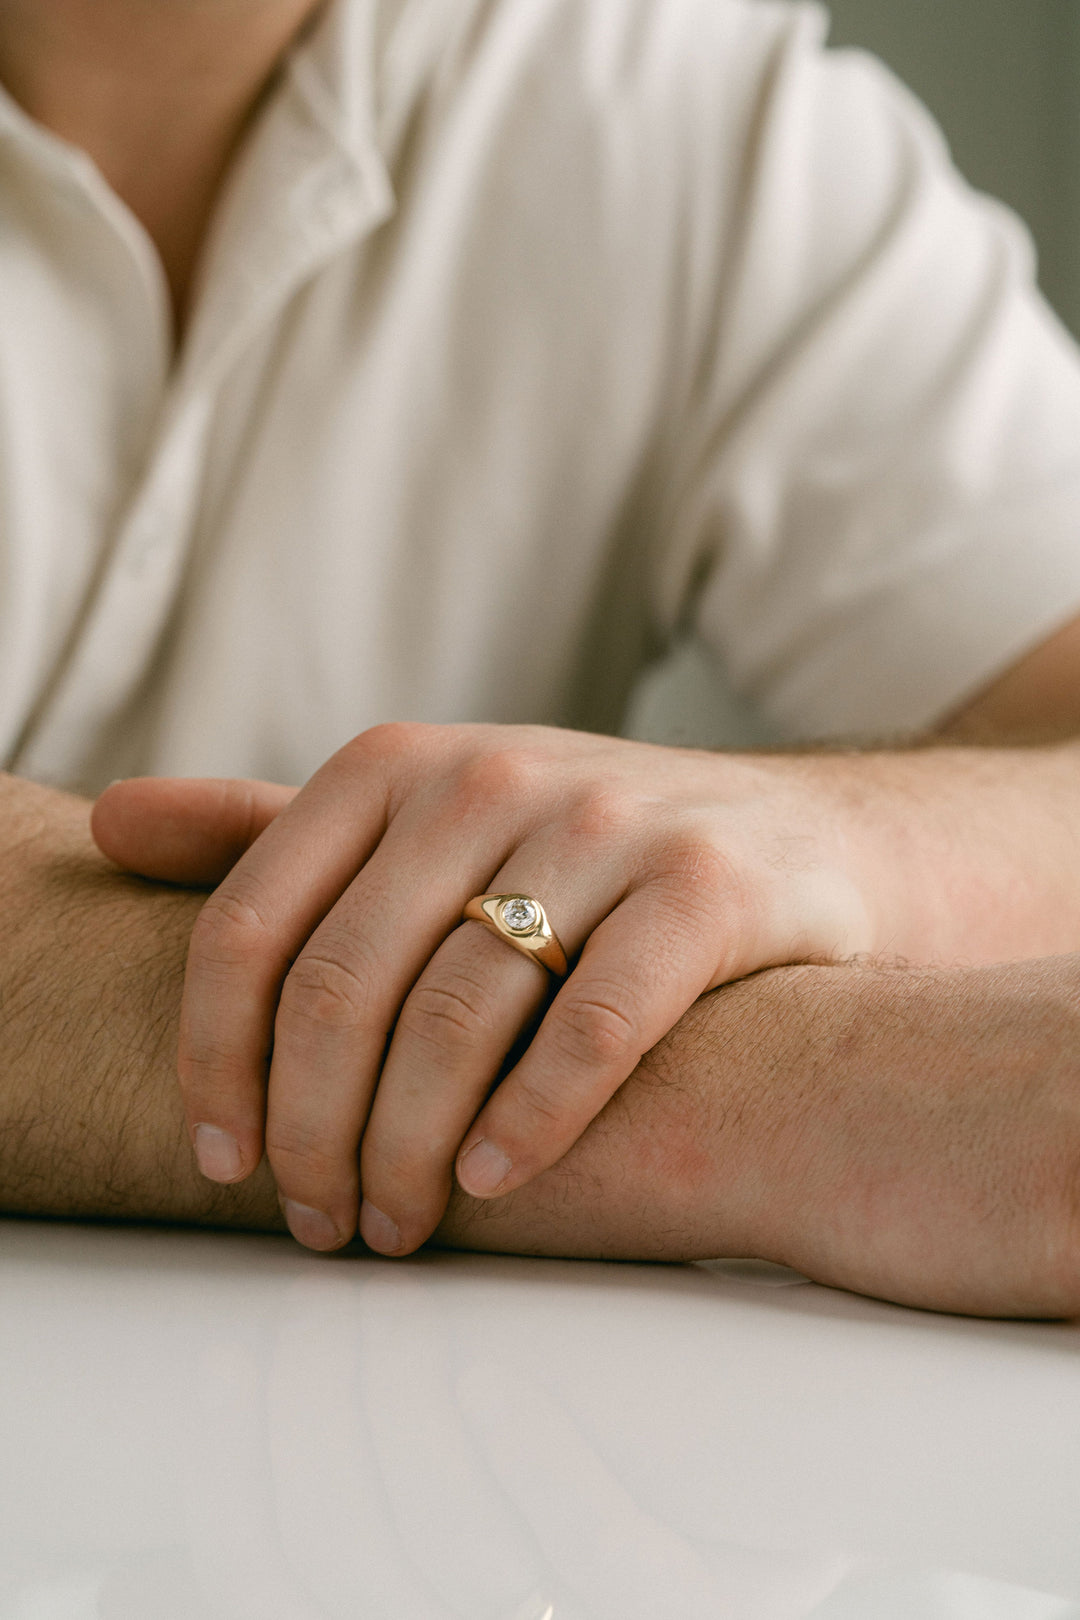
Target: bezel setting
{"points": [[526, 927], [521, 915]]}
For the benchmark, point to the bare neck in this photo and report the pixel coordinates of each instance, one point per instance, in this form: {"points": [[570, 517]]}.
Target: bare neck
{"points": [[157, 92]]}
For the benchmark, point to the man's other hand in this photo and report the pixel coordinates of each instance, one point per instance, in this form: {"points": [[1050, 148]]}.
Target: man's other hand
{"points": [[338, 1013], [909, 1134]]}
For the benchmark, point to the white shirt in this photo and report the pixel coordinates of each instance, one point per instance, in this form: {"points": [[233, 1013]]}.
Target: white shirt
{"points": [[530, 334]]}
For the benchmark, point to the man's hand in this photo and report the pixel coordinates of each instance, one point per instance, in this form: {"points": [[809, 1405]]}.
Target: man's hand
{"points": [[912, 1134], [341, 927], [331, 993]]}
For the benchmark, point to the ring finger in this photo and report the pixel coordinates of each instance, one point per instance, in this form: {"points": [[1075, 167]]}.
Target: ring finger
{"points": [[455, 1028]]}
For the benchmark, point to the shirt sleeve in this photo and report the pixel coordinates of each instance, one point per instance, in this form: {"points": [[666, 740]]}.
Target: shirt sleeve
{"points": [[876, 499]]}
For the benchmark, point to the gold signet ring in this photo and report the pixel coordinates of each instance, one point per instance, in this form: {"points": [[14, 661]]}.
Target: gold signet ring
{"points": [[522, 922]]}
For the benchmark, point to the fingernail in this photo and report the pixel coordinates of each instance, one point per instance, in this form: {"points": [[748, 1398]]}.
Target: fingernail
{"points": [[483, 1169], [310, 1226], [378, 1230], [217, 1153]]}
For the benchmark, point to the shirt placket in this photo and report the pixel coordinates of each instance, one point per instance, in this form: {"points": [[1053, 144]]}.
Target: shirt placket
{"points": [[301, 197]]}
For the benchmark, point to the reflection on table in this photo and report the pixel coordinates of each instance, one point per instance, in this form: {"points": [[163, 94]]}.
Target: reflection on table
{"points": [[199, 1425]]}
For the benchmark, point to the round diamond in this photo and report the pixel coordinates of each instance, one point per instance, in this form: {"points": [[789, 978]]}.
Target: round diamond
{"points": [[520, 915]]}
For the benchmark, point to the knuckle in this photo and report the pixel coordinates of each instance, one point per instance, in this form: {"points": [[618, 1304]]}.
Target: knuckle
{"points": [[323, 990], [693, 864], [450, 1011], [601, 813], [405, 1172], [389, 757], [390, 741], [503, 775], [301, 1156], [230, 929], [536, 1101], [206, 1069], [593, 1032]]}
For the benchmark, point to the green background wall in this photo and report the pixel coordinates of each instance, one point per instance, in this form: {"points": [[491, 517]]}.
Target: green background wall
{"points": [[1003, 79]]}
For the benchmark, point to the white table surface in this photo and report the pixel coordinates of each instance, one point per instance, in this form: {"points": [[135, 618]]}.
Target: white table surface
{"points": [[198, 1424]]}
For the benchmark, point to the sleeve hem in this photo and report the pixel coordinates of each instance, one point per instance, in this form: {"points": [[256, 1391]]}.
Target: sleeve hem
{"points": [[911, 656]]}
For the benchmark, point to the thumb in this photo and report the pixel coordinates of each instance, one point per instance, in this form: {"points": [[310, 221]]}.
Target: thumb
{"points": [[183, 829]]}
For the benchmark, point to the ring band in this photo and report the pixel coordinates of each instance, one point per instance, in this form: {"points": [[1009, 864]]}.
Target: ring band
{"points": [[522, 922]]}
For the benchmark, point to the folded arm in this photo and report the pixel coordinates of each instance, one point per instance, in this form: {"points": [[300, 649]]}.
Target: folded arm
{"points": [[914, 1135], [91, 971]]}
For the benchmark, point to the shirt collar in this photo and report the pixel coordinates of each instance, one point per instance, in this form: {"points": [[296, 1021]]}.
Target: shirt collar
{"points": [[334, 69], [311, 181]]}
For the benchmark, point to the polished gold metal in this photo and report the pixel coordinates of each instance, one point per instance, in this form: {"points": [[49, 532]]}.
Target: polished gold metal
{"points": [[533, 938]]}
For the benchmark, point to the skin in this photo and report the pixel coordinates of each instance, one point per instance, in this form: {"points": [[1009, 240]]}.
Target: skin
{"points": [[339, 1015], [909, 1134], [160, 95]]}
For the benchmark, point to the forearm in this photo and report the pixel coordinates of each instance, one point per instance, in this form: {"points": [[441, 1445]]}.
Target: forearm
{"points": [[910, 1134], [91, 969], [994, 863], [914, 1135]]}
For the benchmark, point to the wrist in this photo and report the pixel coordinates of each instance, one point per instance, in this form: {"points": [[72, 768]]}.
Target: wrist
{"points": [[821, 851], [962, 854]]}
